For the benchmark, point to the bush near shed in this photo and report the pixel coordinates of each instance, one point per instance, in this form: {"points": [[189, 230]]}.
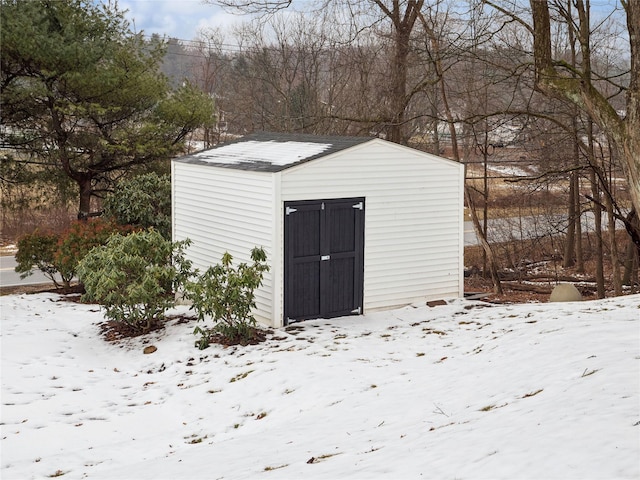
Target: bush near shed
{"points": [[227, 294], [133, 277], [59, 254]]}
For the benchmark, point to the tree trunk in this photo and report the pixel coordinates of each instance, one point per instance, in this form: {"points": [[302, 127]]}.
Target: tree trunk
{"points": [[435, 122], [630, 276], [578, 209], [485, 184], [399, 86], [613, 248], [597, 218], [633, 258], [493, 267], [569, 257], [631, 149], [86, 192], [403, 23]]}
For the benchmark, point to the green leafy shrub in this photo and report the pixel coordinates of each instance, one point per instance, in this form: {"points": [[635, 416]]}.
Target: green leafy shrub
{"points": [[144, 201], [80, 238], [132, 277], [227, 294], [37, 250]]}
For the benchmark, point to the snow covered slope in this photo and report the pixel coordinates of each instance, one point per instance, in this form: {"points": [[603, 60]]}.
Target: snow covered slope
{"points": [[466, 390]]}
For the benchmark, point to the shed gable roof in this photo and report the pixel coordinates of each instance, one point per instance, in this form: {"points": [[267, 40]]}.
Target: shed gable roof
{"points": [[271, 152]]}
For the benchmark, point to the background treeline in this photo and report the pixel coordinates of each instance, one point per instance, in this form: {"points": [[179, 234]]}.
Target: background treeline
{"points": [[540, 100], [452, 78]]}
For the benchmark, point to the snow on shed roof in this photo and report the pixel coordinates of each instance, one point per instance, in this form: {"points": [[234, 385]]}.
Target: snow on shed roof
{"points": [[271, 152]]}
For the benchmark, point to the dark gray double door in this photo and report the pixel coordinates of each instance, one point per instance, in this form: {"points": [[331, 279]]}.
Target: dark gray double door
{"points": [[324, 258]]}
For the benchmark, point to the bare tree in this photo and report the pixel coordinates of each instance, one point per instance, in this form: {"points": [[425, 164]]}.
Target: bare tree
{"points": [[401, 16], [559, 79], [435, 51], [254, 6]]}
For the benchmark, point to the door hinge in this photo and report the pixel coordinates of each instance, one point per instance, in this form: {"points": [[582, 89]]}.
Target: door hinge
{"points": [[325, 257], [322, 206], [290, 210], [359, 206], [357, 311]]}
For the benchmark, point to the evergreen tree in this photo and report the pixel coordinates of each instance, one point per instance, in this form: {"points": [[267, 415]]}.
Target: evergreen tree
{"points": [[83, 95]]}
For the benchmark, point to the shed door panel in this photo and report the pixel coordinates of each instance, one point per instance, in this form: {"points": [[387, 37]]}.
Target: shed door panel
{"points": [[344, 232], [324, 258], [303, 259]]}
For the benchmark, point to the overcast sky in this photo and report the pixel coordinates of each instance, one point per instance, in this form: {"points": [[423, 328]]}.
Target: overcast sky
{"points": [[180, 19], [183, 19]]}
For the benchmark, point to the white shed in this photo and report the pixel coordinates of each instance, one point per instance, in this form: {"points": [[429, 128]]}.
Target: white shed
{"points": [[349, 224]]}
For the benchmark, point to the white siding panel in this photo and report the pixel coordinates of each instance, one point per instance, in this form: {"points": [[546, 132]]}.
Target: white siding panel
{"points": [[221, 210], [413, 217]]}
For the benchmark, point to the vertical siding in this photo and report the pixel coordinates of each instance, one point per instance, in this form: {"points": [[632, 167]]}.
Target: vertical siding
{"points": [[222, 209], [413, 217], [277, 263]]}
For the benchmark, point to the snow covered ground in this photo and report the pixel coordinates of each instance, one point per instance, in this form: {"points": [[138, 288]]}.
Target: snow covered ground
{"points": [[461, 391]]}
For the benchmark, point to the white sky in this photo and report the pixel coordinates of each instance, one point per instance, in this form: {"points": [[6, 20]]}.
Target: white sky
{"points": [[180, 19], [183, 18], [465, 390]]}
